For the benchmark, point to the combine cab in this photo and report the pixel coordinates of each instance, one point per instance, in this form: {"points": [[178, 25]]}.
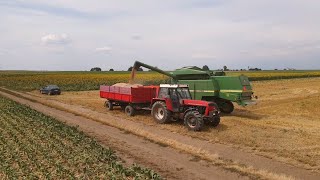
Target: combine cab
{"points": [[211, 86]]}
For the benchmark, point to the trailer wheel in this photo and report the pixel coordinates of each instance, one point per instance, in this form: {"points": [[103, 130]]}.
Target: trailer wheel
{"points": [[215, 121], [123, 107], [193, 120], [226, 106], [160, 113], [129, 110], [109, 105]]}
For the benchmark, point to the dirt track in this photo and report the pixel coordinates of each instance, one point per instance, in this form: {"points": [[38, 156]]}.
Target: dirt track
{"points": [[167, 161], [178, 165]]}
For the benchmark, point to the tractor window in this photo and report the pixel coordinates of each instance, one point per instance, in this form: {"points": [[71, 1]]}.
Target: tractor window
{"points": [[163, 93], [184, 93], [173, 94]]}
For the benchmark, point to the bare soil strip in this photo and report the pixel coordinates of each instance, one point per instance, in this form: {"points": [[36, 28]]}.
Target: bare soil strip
{"points": [[224, 156]]}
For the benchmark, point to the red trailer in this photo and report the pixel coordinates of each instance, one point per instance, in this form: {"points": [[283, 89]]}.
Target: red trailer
{"points": [[128, 98], [167, 102]]}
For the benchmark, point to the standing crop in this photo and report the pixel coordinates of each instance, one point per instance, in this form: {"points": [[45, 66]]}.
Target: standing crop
{"points": [[36, 146], [81, 81]]}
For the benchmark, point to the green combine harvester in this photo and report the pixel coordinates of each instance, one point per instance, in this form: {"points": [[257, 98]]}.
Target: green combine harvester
{"points": [[211, 86]]}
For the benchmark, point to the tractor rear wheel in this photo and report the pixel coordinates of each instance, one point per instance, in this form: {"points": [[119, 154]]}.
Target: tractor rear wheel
{"points": [[225, 106], [109, 105], [129, 110], [160, 113], [193, 120], [215, 121]]}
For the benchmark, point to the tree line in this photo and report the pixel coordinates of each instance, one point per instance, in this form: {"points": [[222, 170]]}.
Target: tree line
{"points": [[204, 68]]}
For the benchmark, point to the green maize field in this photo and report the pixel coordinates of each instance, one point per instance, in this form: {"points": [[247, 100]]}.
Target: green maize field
{"points": [[36, 146]]}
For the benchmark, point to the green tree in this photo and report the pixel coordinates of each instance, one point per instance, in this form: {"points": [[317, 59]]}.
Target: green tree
{"points": [[225, 68], [95, 69], [205, 68]]}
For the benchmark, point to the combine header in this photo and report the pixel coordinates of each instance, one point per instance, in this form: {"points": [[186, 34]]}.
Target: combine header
{"points": [[210, 86]]}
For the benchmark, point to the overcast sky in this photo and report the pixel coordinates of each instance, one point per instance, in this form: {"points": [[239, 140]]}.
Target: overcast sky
{"points": [[80, 34]]}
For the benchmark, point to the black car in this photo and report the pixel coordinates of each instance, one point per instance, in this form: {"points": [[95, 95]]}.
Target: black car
{"points": [[50, 90]]}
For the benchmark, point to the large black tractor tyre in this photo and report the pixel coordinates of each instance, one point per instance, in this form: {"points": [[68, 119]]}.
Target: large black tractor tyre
{"points": [[160, 113], [129, 110], [109, 105], [193, 121], [225, 106], [215, 121]]}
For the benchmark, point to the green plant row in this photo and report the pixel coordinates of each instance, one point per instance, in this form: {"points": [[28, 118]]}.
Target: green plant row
{"points": [[69, 81], [36, 146]]}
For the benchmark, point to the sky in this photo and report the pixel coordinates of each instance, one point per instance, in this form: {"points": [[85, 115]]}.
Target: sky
{"points": [[81, 34]]}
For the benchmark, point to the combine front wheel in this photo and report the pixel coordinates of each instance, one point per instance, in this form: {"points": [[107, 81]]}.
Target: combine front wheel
{"points": [[193, 120], [226, 106]]}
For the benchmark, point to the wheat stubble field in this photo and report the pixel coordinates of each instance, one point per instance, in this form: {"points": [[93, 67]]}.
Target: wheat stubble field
{"points": [[284, 125]]}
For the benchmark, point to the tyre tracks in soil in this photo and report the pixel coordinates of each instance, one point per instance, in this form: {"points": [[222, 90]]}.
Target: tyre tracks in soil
{"points": [[173, 155]]}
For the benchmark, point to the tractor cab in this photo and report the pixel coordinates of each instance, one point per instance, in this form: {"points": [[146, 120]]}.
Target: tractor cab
{"points": [[174, 101], [176, 93]]}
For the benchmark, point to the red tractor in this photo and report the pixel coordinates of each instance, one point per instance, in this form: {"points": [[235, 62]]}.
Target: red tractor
{"points": [[167, 102]]}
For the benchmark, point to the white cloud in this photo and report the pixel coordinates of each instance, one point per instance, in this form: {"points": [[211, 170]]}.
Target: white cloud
{"points": [[56, 39], [136, 37], [4, 51], [179, 33], [203, 56], [105, 49]]}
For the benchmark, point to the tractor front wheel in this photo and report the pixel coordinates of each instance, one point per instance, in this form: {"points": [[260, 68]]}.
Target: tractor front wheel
{"points": [[129, 110], [215, 121], [226, 106], [193, 120], [160, 113]]}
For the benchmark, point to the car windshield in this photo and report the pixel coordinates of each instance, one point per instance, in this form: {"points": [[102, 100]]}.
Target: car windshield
{"points": [[53, 87], [184, 93]]}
